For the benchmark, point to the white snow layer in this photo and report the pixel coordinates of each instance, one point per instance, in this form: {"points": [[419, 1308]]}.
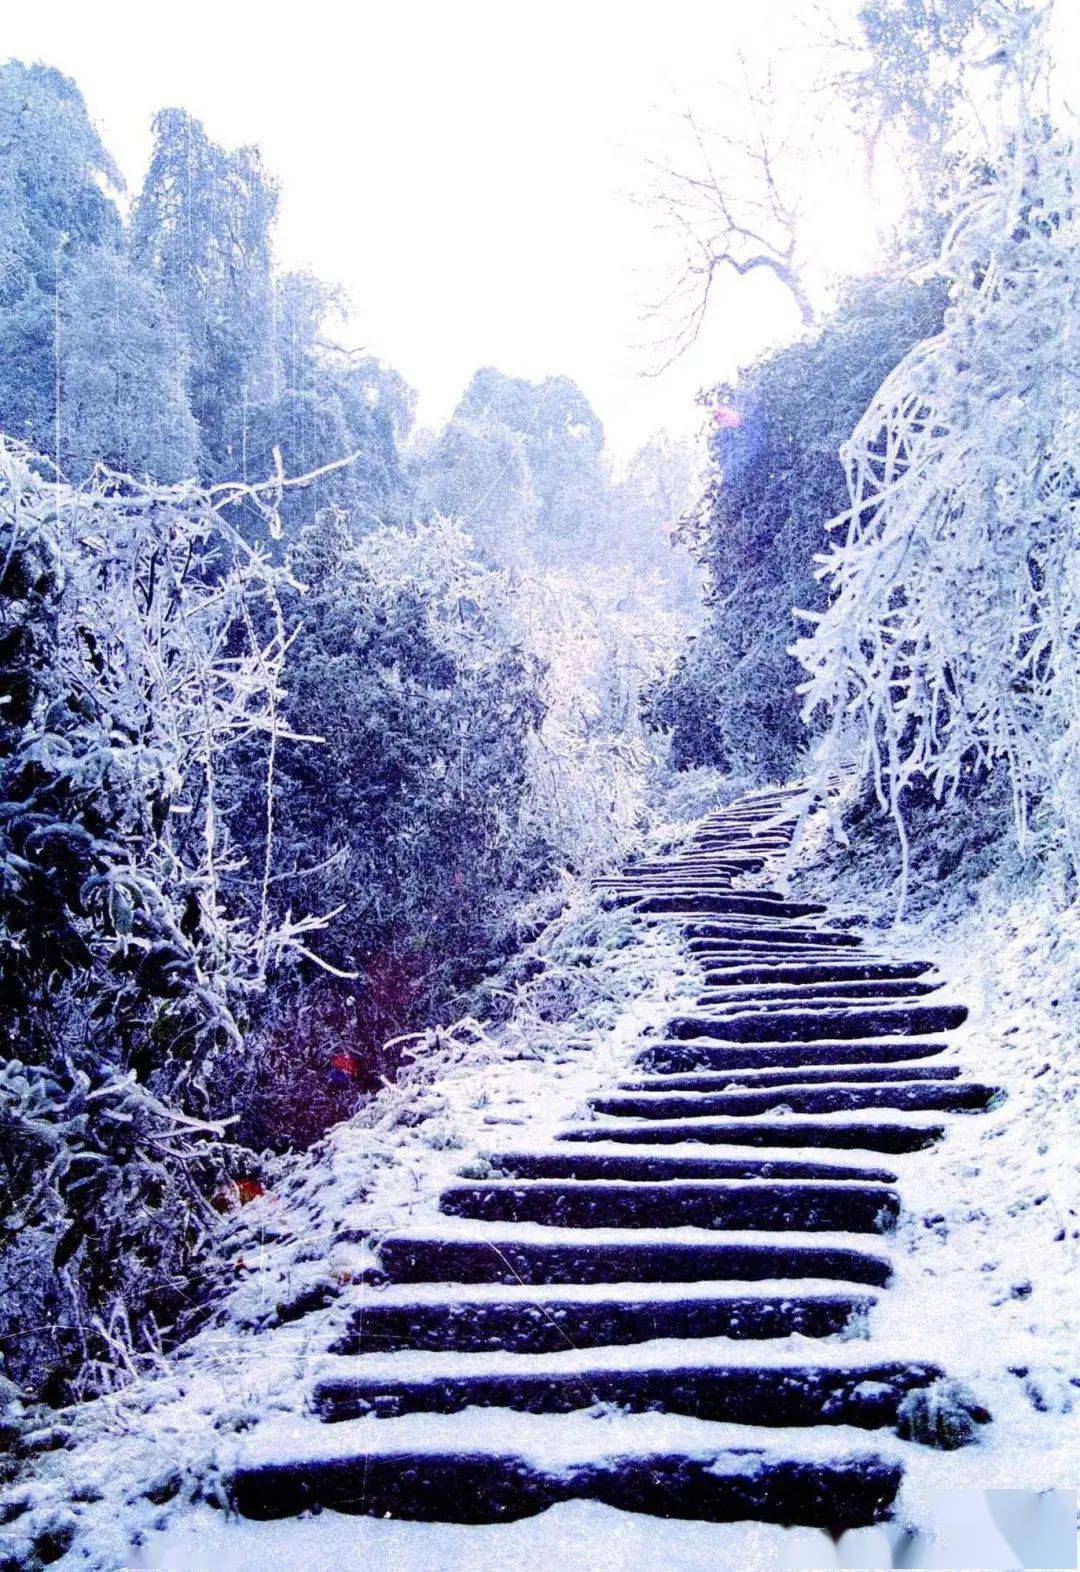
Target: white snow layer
{"points": [[986, 1259]]}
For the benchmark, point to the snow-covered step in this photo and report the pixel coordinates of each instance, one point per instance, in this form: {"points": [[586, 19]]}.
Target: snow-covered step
{"points": [[530, 1253], [757, 848], [625, 1313], [798, 1204], [523, 1318], [684, 903], [802, 972], [796, 1075], [700, 1053], [725, 862], [704, 936], [837, 1097], [765, 953], [763, 830], [650, 1166], [865, 1394], [830, 991], [666, 884], [877, 1135], [490, 1466], [805, 1024]]}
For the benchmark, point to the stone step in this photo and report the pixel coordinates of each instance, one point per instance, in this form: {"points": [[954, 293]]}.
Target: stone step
{"points": [[433, 1473], [802, 1204], [727, 862], [809, 1025], [628, 892], [773, 952], [746, 836], [735, 904], [698, 1053], [876, 1136], [816, 995], [520, 1320], [721, 1080], [828, 992], [867, 1395], [648, 1166], [785, 971], [907, 1096], [715, 878], [761, 846], [490, 1257], [703, 935]]}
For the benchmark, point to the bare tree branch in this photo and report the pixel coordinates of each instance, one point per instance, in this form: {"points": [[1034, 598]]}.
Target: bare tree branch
{"points": [[735, 207]]}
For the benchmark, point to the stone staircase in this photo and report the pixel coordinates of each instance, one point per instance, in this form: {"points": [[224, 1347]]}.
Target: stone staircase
{"points": [[656, 1312]]}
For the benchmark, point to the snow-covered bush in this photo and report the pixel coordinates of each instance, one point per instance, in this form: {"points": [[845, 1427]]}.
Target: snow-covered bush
{"points": [[469, 753], [129, 669], [402, 806], [601, 636], [951, 640]]}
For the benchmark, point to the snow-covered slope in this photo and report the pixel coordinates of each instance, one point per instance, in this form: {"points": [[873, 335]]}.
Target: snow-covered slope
{"points": [[150, 1473]]}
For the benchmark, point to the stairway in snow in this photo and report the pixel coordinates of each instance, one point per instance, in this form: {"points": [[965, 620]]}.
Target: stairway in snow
{"points": [[693, 1258]]}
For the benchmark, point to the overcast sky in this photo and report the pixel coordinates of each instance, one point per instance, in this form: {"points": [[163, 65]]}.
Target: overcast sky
{"points": [[463, 167]]}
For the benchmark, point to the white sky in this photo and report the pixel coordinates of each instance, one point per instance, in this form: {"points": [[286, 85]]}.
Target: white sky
{"points": [[462, 167]]}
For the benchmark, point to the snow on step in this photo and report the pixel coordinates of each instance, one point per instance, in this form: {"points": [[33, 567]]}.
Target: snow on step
{"points": [[700, 1053], [708, 935], [836, 1097], [479, 1252], [826, 991], [488, 1466], [801, 1204], [723, 974], [882, 1134], [867, 1395], [687, 902], [796, 1075], [522, 1318], [649, 1165], [791, 1024]]}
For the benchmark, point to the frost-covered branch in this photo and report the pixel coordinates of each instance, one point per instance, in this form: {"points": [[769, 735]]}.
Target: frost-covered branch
{"points": [[951, 639]]}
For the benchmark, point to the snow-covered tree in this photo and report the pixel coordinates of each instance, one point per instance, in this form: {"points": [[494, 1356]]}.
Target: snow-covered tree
{"points": [[563, 442], [56, 205], [952, 635], [477, 471], [121, 369], [773, 481], [201, 229], [649, 497], [416, 697]]}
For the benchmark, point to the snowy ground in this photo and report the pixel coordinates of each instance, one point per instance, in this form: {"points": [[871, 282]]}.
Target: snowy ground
{"points": [[987, 1259], [991, 1235]]}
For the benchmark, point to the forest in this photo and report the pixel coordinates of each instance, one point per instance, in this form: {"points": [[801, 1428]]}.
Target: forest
{"points": [[316, 723]]}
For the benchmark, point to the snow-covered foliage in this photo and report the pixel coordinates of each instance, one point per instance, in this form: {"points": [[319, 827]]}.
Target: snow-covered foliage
{"points": [[141, 643], [197, 746], [477, 756], [774, 478], [950, 639], [523, 467], [287, 1268], [600, 636]]}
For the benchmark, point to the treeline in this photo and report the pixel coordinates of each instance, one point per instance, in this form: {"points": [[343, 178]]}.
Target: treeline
{"points": [[166, 346]]}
